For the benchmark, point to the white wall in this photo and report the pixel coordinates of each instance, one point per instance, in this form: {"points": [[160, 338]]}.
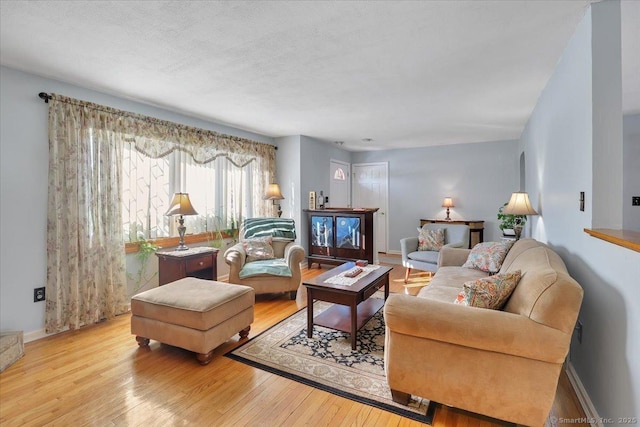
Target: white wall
{"points": [[560, 154], [315, 167], [631, 186], [480, 178], [288, 166], [23, 183]]}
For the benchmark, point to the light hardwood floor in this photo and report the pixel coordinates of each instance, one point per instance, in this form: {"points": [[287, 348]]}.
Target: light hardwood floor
{"points": [[99, 376]]}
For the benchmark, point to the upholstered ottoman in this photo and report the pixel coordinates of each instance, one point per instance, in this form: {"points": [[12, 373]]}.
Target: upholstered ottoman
{"points": [[194, 314]]}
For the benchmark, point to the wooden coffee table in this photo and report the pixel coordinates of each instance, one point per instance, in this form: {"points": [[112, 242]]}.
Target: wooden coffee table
{"points": [[353, 307]]}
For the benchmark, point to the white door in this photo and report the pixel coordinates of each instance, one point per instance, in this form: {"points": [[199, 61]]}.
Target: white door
{"points": [[371, 190], [340, 187]]}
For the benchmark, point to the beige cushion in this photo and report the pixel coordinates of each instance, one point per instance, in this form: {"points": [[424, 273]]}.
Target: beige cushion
{"points": [[194, 303]]}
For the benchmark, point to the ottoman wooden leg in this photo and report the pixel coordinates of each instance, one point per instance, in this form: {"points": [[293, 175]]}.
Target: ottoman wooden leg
{"points": [[245, 332], [142, 341], [204, 359]]}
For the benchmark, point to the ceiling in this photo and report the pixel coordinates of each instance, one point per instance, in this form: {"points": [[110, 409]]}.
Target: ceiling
{"points": [[402, 73]]}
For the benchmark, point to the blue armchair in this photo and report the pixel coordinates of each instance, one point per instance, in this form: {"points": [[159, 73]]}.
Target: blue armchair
{"points": [[455, 236]]}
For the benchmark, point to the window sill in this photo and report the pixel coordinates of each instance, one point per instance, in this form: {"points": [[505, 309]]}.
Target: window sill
{"points": [[625, 238], [168, 242]]}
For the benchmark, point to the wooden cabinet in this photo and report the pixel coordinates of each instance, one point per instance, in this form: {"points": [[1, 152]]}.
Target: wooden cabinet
{"points": [[476, 228], [195, 262], [338, 235]]}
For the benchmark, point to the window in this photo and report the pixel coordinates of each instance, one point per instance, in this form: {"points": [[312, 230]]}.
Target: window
{"points": [[339, 175], [219, 191]]}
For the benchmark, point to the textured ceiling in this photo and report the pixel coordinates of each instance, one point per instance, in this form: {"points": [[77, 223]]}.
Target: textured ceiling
{"points": [[404, 73]]}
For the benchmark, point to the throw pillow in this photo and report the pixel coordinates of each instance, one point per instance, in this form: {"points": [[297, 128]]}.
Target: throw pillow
{"points": [[431, 240], [488, 256], [489, 292], [258, 248]]}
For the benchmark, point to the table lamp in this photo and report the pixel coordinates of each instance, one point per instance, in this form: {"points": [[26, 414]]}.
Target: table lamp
{"points": [[448, 203], [519, 204], [273, 193], [181, 205]]}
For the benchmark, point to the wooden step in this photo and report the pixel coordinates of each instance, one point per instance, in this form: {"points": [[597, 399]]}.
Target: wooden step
{"points": [[11, 348]]}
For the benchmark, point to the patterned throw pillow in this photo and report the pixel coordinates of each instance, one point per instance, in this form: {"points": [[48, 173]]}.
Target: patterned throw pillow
{"points": [[489, 292], [431, 240], [488, 256], [258, 248]]}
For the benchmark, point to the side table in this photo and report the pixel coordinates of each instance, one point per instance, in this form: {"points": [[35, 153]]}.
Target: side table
{"points": [[197, 262]]}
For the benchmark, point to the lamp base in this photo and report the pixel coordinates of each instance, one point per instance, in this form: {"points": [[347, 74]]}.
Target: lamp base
{"points": [[448, 218], [518, 230], [181, 230]]}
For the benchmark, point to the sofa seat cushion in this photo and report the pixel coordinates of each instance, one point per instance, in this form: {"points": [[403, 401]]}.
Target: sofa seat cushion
{"points": [[424, 256], [194, 303], [448, 282], [271, 267]]}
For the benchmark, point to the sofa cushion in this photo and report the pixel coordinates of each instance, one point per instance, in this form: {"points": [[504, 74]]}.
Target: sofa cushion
{"points": [[258, 249], [271, 267], [447, 283], [424, 256], [488, 256], [489, 292], [431, 240]]}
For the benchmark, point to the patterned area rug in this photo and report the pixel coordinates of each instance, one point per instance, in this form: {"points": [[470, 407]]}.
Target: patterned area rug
{"points": [[327, 362]]}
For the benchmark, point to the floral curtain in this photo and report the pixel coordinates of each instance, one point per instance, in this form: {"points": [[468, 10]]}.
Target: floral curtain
{"points": [[86, 279]]}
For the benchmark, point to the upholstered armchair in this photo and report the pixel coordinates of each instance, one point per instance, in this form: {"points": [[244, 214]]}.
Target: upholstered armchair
{"points": [[455, 236], [265, 271]]}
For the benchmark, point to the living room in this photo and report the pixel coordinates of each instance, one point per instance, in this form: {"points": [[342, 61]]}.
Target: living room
{"points": [[576, 139]]}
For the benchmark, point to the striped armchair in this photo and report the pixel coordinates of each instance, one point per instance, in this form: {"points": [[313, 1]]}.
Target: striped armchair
{"points": [[273, 275]]}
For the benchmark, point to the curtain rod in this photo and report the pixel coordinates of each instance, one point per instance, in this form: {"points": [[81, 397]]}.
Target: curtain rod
{"points": [[45, 97]]}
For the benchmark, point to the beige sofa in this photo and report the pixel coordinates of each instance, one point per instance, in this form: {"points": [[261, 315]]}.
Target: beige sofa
{"points": [[500, 363]]}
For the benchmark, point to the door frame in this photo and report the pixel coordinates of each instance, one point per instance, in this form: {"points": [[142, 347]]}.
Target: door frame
{"points": [[386, 207]]}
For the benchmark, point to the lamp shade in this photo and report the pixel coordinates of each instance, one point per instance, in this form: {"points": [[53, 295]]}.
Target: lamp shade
{"points": [[519, 205], [448, 203], [181, 205], [273, 193]]}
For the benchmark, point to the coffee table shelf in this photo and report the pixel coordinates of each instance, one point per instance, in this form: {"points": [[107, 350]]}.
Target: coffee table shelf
{"points": [[338, 317], [352, 304]]}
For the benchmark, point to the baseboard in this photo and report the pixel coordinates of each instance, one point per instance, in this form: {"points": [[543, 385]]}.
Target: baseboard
{"points": [[583, 397], [39, 334], [394, 252]]}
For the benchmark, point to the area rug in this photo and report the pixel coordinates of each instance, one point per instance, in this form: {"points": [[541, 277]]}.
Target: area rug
{"points": [[327, 362]]}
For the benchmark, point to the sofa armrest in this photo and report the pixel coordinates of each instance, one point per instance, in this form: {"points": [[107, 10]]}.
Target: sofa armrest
{"points": [[452, 257], [478, 328], [294, 255], [408, 245], [235, 257]]}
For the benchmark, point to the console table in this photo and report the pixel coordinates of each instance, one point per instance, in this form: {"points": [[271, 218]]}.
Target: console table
{"points": [[476, 228], [197, 262]]}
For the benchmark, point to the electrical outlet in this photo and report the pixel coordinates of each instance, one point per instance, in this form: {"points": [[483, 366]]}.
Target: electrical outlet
{"points": [[635, 201], [38, 294], [579, 331]]}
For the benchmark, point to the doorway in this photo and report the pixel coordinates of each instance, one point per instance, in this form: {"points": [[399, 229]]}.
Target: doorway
{"points": [[371, 190]]}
